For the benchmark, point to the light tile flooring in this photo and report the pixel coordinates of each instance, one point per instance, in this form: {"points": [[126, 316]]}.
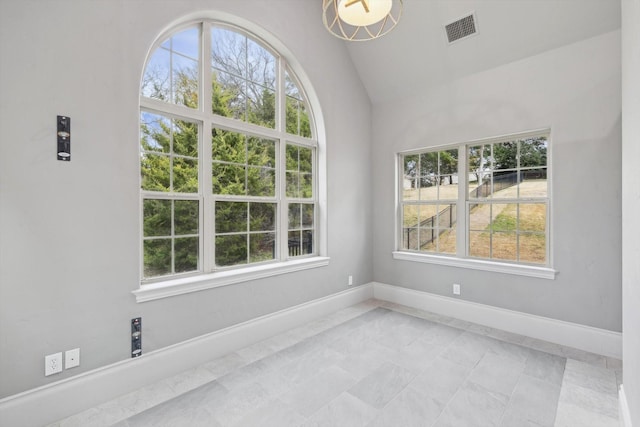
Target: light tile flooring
{"points": [[379, 364]]}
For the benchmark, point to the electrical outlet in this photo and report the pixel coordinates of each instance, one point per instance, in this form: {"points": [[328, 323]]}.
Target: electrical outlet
{"points": [[456, 289], [72, 358], [350, 280], [52, 364]]}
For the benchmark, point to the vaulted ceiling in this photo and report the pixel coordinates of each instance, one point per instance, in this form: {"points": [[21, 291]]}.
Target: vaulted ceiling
{"points": [[416, 54]]}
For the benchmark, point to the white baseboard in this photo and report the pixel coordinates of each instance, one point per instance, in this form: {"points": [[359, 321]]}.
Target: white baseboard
{"points": [[61, 399], [625, 415], [594, 340], [50, 403]]}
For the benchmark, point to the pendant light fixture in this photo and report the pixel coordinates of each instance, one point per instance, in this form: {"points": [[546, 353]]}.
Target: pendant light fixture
{"points": [[360, 20]]}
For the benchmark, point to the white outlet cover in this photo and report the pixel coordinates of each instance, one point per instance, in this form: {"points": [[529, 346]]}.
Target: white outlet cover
{"points": [[52, 364], [72, 358]]}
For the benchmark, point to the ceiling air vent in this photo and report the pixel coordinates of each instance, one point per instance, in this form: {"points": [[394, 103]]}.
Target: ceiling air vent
{"points": [[461, 28]]}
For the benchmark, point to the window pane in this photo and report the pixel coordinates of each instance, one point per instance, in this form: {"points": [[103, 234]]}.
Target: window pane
{"points": [[306, 185], [185, 138], [157, 257], [505, 155], [185, 175], [228, 95], [448, 187], [446, 216], [306, 159], [480, 244], [429, 164], [410, 215], [157, 217], [504, 217], [231, 217], [261, 182], [410, 178], [428, 215], [262, 216], [261, 105], [532, 248], [294, 243], [505, 185], [228, 146], [504, 246], [155, 170], [293, 184], [228, 50], [187, 42], [261, 65], [305, 121], [228, 179], [480, 185], [447, 241], [532, 217], [261, 152], [186, 217], [231, 250], [292, 157], [410, 239], [448, 162], [533, 183], [293, 116], [156, 82], [479, 216], [185, 81], [155, 133], [307, 215], [307, 242], [186, 250], [533, 152], [262, 247], [295, 218]]}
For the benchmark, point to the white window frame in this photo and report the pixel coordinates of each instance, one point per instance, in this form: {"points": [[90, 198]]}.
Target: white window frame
{"points": [[208, 276], [461, 258]]}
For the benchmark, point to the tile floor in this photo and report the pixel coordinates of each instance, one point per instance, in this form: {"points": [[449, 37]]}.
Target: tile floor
{"points": [[380, 364]]}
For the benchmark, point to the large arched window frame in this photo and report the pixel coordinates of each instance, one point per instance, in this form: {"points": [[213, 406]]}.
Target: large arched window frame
{"points": [[231, 161]]}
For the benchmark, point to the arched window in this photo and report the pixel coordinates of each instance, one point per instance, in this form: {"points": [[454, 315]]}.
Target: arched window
{"points": [[228, 156]]}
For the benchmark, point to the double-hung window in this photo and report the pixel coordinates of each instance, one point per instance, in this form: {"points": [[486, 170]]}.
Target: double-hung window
{"points": [[485, 200], [228, 156]]}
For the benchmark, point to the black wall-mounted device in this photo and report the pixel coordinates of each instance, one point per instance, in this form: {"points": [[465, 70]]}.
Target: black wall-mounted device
{"points": [[64, 138], [136, 337]]}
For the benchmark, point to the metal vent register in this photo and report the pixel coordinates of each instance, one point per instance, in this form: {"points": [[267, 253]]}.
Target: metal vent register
{"points": [[461, 28]]}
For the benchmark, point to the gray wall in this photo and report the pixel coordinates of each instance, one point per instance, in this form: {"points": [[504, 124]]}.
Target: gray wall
{"points": [[574, 90], [631, 203], [69, 248]]}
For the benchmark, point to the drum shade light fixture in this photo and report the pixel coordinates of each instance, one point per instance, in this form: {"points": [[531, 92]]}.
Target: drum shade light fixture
{"points": [[360, 20]]}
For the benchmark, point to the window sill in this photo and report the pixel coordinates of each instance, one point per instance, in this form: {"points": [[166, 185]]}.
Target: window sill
{"points": [[173, 287], [497, 267]]}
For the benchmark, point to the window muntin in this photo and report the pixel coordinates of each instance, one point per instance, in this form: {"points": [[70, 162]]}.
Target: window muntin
{"points": [[260, 169], [501, 208]]}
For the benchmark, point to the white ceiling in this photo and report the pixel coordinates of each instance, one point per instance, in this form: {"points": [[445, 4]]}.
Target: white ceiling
{"points": [[416, 54]]}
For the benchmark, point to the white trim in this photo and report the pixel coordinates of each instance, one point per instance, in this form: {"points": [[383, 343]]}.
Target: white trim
{"points": [[169, 288], [625, 414], [476, 264], [61, 399], [587, 338]]}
